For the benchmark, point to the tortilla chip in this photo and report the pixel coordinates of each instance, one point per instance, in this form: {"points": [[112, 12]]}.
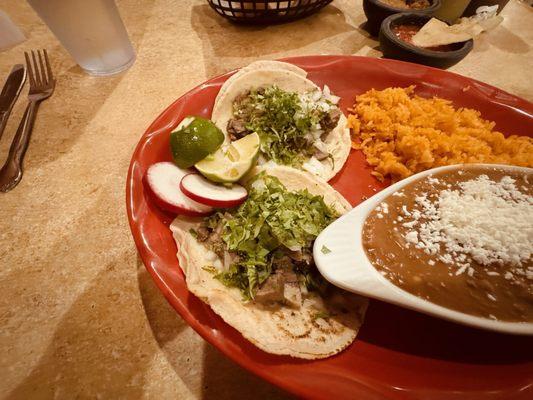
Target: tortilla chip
{"points": [[436, 33]]}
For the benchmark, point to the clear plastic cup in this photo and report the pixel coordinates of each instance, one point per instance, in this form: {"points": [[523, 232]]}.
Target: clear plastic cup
{"points": [[91, 31], [10, 34], [475, 4], [451, 10]]}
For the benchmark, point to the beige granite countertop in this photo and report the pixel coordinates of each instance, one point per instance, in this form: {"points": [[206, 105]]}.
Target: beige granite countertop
{"points": [[79, 315]]}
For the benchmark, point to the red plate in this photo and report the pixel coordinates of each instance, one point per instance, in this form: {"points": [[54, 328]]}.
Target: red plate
{"points": [[398, 354]]}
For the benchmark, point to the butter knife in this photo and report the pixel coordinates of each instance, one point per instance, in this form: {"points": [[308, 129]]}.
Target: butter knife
{"points": [[10, 92]]}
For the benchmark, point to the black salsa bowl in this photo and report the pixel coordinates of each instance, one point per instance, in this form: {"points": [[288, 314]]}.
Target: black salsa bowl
{"points": [[394, 47], [376, 11]]}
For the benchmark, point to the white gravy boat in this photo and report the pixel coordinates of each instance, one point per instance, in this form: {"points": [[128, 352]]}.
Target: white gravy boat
{"points": [[347, 266]]}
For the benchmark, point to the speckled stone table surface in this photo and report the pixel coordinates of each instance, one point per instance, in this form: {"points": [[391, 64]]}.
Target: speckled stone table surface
{"points": [[79, 315]]}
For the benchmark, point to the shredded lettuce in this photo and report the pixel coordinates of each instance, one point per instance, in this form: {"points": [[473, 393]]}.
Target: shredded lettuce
{"points": [[267, 225]]}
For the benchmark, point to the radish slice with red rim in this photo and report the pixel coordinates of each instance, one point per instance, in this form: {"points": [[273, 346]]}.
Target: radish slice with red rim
{"points": [[198, 188], [163, 183]]}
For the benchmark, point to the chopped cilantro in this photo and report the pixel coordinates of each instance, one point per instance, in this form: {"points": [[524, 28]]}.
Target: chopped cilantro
{"points": [[325, 250], [320, 314], [282, 122], [210, 269]]}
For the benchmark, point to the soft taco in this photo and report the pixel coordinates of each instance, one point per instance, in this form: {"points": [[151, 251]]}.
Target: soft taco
{"points": [[253, 265], [300, 125], [259, 65]]}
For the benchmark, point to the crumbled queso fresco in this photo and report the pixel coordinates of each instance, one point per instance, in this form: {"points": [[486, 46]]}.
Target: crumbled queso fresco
{"points": [[489, 222]]}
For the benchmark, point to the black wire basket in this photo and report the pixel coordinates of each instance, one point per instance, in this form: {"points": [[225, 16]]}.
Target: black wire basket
{"points": [[266, 11]]}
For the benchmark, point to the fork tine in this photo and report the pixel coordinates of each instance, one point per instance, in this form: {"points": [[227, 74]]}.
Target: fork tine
{"points": [[30, 69], [41, 64], [48, 66], [36, 69]]}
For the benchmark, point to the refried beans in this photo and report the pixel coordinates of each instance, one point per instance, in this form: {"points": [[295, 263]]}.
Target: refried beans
{"points": [[461, 239]]}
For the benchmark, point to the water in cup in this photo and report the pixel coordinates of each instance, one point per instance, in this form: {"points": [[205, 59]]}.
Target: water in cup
{"points": [[91, 31], [451, 10]]}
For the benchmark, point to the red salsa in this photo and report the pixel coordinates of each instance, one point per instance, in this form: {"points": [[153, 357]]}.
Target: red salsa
{"points": [[406, 32], [412, 4]]}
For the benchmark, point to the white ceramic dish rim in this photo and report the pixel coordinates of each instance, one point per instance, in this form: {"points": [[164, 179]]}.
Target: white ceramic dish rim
{"points": [[347, 266]]}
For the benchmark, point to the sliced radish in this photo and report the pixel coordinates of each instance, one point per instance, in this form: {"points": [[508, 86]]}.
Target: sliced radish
{"points": [[163, 183], [200, 189]]}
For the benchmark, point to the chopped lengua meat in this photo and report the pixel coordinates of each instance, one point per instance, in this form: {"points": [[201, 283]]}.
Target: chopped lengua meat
{"points": [[202, 233], [282, 286], [331, 120], [271, 290], [292, 294], [301, 257], [237, 128], [281, 263]]}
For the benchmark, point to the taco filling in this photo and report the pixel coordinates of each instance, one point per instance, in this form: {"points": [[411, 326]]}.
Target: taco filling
{"points": [[292, 126], [264, 246]]}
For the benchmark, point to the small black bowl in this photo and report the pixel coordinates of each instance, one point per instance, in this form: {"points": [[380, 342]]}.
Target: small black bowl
{"points": [[376, 11], [394, 47]]}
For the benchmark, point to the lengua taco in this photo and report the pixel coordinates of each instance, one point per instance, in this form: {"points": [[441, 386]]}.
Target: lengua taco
{"points": [[300, 125], [253, 265], [258, 65]]}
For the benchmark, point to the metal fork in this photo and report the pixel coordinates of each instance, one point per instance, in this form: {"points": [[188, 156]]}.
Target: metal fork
{"points": [[42, 84]]}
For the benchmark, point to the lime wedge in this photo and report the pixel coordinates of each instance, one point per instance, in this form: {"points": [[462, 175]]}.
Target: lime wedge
{"points": [[247, 147], [194, 139], [219, 168], [230, 164]]}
